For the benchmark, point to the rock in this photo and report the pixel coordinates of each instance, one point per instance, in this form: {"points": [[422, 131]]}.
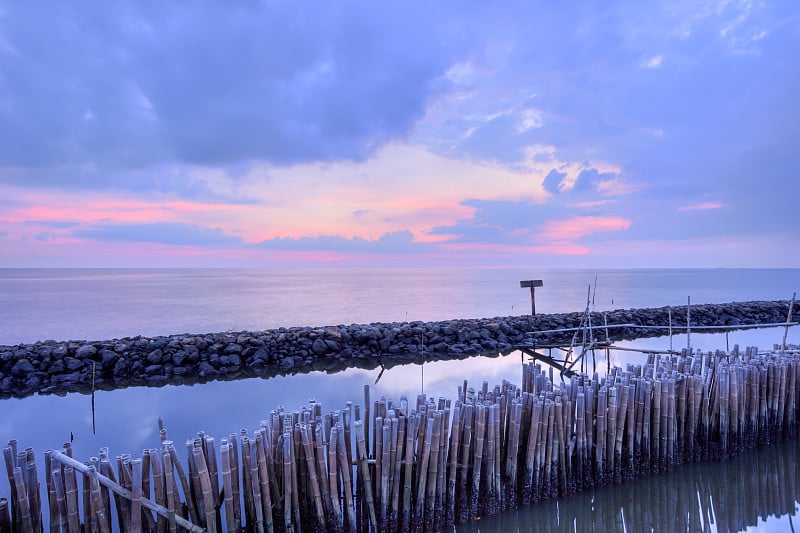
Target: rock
{"points": [[108, 359], [23, 367], [319, 347], [121, 368], [59, 351], [87, 351], [232, 348], [155, 356], [206, 369], [73, 363]]}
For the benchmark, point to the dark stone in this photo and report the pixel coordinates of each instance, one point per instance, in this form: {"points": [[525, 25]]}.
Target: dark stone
{"points": [[155, 357], [108, 359], [59, 351], [232, 348], [72, 363], [121, 368], [319, 347], [22, 367], [87, 351], [261, 355], [206, 368], [179, 357]]}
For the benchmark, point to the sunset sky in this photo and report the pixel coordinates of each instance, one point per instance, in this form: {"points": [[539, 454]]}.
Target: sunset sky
{"points": [[364, 133]]}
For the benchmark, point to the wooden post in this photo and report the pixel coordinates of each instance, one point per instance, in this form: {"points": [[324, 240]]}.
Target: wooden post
{"points": [[532, 284]]}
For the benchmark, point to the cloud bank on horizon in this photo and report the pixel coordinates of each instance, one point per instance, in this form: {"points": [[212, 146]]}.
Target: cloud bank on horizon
{"points": [[272, 134]]}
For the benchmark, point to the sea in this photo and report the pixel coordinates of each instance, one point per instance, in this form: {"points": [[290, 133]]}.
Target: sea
{"points": [[103, 304]]}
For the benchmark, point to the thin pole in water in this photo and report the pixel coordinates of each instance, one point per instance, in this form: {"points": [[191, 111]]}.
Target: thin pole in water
{"points": [[788, 319], [688, 322], [422, 367], [94, 365], [669, 311]]}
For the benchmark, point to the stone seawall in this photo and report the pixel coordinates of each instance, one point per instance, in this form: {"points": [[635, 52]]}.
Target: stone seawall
{"points": [[52, 367]]}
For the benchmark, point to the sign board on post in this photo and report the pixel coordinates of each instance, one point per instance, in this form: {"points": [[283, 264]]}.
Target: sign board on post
{"points": [[532, 283]]}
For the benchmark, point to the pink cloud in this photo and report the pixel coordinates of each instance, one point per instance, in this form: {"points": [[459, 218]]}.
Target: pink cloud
{"points": [[577, 227], [701, 206], [557, 248]]}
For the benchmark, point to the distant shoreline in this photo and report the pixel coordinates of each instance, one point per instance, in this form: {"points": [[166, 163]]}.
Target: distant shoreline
{"points": [[59, 367]]}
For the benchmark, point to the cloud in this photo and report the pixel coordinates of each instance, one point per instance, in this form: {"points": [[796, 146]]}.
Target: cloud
{"points": [[590, 179], [55, 224], [141, 84], [178, 234], [653, 62], [398, 242], [577, 228], [701, 206], [552, 182]]}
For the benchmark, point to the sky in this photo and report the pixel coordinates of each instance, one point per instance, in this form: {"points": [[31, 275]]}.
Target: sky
{"points": [[285, 134]]}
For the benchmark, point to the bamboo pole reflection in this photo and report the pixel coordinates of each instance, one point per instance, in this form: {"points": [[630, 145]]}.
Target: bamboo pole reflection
{"points": [[756, 486]]}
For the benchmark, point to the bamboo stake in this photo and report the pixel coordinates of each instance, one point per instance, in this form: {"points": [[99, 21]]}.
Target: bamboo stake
{"points": [[401, 423], [287, 483], [364, 472], [136, 498], [333, 481], [5, 517], [407, 476], [205, 484], [312, 477], [433, 467], [255, 488], [345, 469], [227, 484], [22, 500], [169, 489]]}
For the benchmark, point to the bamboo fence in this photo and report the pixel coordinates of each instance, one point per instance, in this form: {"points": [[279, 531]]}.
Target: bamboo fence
{"points": [[422, 464]]}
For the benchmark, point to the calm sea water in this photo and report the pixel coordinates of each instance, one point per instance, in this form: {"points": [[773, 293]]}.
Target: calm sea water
{"points": [[40, 304]]}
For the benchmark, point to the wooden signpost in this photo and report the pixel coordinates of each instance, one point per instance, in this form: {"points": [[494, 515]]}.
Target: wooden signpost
{"points": [[532, 283]]}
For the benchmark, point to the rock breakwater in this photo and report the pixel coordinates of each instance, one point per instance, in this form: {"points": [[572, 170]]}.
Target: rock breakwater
{"points": [[58, 367]]}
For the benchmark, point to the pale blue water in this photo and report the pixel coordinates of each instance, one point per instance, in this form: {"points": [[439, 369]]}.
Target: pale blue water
{"points": [[103, 304]]}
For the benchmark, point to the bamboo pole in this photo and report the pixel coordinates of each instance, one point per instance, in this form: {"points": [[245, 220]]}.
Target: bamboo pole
{"points": [[227, 484], [5, 516], [169, 489], [136, 497], [312, 477], [363, 469], [405, 521], [432, 472], [333, 483], [345, 470]]}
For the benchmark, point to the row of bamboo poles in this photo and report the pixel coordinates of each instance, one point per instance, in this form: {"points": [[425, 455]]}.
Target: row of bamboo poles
{"points": [[422, 465]]}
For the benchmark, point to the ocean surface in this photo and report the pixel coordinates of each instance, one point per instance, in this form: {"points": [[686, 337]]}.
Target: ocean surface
{"points": [[100, 304]]}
